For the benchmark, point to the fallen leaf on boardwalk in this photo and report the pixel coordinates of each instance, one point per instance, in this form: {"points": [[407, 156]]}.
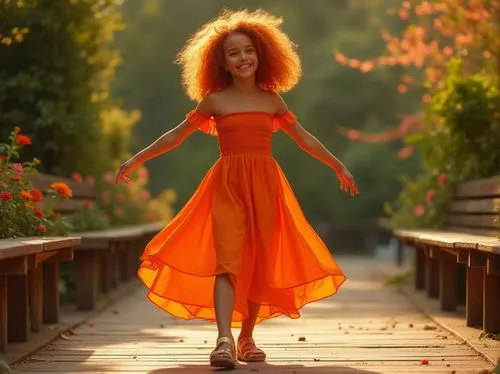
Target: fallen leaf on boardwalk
{"points": [[444, 337], [162, 326], [453, 372], [116, 311], [292, 335], [384, 328], [64, 336], [424, 362], [346, 332], [316, 359], [204, 341], [181, 340], [302, 339], [410, 325], [430, 327], [91, 324]]}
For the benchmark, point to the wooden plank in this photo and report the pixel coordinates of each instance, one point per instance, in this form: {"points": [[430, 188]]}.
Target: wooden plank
{"points": [[14, 266], [10, 248], [474, 206], [480, 188], [51, 295], [368, 333], [483, 221]]}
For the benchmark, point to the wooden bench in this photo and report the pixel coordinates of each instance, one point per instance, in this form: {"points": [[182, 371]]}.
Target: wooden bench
{"points": [[104, 258], [469, 239], [29, 284]]}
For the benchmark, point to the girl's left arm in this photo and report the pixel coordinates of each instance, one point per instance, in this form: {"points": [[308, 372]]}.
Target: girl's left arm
{"points": [[310, 144]]}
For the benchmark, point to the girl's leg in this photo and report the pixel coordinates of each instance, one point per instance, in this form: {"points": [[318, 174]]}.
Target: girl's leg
{"points": [[247, 350], [224, 303], [224, 353], [248, 325]]}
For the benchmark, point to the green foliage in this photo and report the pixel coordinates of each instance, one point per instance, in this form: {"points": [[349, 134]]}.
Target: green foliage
{"points": [[55, 82], [460, 143], [24, 210], [90, 218]]}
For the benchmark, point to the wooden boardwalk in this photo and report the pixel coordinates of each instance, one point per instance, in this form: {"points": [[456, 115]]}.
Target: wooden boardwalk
{"points": [[364, 329]]}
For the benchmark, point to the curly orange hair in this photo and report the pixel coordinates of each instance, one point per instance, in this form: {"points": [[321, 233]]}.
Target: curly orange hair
{"points": [[202, 58]]}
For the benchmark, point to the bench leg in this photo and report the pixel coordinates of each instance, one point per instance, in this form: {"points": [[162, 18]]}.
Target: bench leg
{"points": [[123, 259], [106, 271], [51, 297], [399, 253], [432, 277], [3, 312], [474, 296], [36, 296], [17, 308], [87, 275], [115, 268], [448, 282], [420, 269], [491, 306]]}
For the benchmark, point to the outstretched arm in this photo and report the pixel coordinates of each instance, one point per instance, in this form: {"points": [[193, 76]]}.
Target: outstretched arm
{"points": [[310, 144], [163, 144]]}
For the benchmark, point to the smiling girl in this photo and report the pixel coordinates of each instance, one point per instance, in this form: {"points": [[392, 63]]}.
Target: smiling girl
{"points": [[240, 251]]}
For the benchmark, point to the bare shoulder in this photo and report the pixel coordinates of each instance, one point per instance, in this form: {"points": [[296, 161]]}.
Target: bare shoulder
{"points": [[278, 102], [209, 104]]}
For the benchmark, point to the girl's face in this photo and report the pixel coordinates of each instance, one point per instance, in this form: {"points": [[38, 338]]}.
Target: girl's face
{"points": [[240, 56]]}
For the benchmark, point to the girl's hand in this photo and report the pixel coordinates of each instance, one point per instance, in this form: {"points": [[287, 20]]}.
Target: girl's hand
{"points": [[125, 169], [347, 182]]}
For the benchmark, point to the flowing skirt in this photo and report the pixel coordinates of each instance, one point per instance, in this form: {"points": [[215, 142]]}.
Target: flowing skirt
{"points": [[243, 220]]}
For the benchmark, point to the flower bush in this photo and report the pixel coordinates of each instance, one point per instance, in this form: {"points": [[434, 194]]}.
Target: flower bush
{"points": [[459, 144], [25, 210], [132, 203]]}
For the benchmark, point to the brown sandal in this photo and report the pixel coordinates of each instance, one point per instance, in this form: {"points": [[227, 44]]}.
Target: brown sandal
{"points": [[223, 357], [248, 351]]}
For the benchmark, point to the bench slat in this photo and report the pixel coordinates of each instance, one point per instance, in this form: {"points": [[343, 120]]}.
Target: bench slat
{"points": [[472, 220], [451, 240], [480, 188], [482, 206]]}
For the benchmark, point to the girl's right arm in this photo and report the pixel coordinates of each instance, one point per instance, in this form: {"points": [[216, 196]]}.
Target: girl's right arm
{"points": [[163, 144]]}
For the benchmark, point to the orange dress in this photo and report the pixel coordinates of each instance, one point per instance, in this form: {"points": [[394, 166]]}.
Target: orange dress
{"points": [[243, 220]]}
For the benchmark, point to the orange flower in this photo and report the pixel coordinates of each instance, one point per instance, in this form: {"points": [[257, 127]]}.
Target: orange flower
{"points": [[16, 177], [33, 195], [23, 139], [62, 189], [26, 195]]}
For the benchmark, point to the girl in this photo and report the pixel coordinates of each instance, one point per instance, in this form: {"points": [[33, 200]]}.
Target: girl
{"points": [[242, 236]]}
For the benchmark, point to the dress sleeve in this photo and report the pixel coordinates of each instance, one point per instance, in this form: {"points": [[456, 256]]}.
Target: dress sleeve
{"points": [[283, 120], [202, 122]]}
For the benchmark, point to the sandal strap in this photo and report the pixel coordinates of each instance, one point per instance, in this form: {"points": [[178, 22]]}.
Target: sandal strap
{"points": [[243, 344]]}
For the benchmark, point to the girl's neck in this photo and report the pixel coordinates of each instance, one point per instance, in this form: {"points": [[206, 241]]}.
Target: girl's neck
{"points": [[245, 87]]}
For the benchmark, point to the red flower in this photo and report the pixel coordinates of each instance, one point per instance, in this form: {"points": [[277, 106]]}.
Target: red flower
{"points": [[5, 196], [42, 229], [36, 195], [38, 213], [23, 139], [429, 197], [419, 210], [77, 177], [442, 179]]}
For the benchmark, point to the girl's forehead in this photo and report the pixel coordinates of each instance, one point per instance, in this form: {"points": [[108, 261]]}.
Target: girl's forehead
{"points": [[237, 40]]}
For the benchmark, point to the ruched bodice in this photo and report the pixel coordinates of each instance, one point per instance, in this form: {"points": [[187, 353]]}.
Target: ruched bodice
{"points": [[253, 136], [244, 221]]}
